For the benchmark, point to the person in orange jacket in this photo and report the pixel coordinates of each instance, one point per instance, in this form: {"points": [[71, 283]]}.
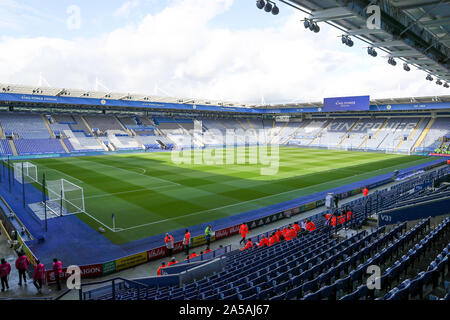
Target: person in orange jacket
{"points": [[207, 250], [271, 239], [163, 265], [264, 242], [193, 255], [292, 233], [168, 240], [243, 230], [297, 227], [286, 234], [172, 262], [365, 192], [186, 241], [276, 237], [310, 226], [280, 234], [349, 214], [248, 245]]}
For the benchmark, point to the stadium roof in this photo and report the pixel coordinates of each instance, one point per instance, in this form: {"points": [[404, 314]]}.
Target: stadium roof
{"points": [[414, 31], [69, 93], [76, 93], [374, 102]]}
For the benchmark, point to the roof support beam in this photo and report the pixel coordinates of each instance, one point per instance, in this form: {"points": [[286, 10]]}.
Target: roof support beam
{"points": [[388, 44], [363, 31], [405, 53], [331, 14]]}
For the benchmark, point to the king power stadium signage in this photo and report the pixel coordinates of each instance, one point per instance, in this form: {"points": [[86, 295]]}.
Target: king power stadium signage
{"points": [[358, 103]]}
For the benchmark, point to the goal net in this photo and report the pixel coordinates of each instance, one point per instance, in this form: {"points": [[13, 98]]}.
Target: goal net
{"points": [[26, 172], [64, 197]]}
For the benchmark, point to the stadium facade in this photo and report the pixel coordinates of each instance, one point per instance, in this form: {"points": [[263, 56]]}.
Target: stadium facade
{"points": [[59, 123]]}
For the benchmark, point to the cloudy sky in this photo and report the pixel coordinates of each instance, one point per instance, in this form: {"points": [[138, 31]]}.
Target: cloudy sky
{"points": [[214, 49]]}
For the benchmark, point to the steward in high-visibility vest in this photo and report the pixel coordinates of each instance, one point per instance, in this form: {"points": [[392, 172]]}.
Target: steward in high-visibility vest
{"points": [[333, 221], [310, 226], [276, 237], [193, 255], [341, 219], [187, 241], [169, 244], [264, 242], [163, 265], [172, 262], [349, 215], [286, 234], [243, 230], [248, 245], [292, 233], [279, 233], [296, 227], [271, 240], [365, 192]]}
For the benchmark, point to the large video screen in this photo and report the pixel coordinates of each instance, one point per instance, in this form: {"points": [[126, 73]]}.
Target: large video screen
{"points": [[359, 103]]}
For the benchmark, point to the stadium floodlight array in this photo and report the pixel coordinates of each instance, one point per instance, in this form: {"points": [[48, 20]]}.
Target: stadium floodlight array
{"points": [[268, 6], [311, 25], [439, 82], [429, 78], [371, 51], [347, 40], [446, 85], [406, 67], [64, 197], [392, 61]]}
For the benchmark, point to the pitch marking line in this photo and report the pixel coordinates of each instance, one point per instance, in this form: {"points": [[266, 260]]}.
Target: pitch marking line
{"points": [[240, 203], [141, 174]]}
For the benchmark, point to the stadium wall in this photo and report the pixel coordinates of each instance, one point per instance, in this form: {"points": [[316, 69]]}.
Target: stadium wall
{"points": [[431, 208]]}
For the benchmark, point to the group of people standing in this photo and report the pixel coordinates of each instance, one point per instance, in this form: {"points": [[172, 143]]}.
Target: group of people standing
{"points": [[22, 263]]}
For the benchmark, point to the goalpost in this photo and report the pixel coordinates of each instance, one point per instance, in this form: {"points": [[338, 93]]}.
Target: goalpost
{"points": [[64, 197], [29, 172]]}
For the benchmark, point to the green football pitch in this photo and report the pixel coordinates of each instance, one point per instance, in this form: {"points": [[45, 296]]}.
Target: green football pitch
{"points": [[149, 194]]}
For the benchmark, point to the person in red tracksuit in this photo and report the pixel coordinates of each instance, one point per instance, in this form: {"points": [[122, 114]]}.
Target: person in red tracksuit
{"points": [[296, 227], [57, 269], [22, 263], [5, 270], [243, 230], [38, 275]]}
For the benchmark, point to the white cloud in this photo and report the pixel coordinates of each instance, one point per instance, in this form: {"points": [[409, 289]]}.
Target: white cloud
{"points": [[181, 50], [126, 9]]}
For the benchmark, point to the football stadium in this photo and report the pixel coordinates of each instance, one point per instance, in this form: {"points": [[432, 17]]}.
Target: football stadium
{"points": [[106, 195]]}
